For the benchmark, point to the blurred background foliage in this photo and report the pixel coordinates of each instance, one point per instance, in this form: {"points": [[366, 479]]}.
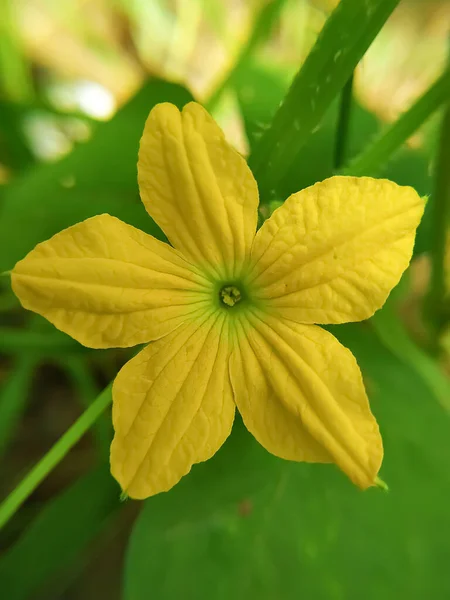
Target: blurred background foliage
{"points": [[77, 80]]}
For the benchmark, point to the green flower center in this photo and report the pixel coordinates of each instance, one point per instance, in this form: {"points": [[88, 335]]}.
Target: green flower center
{"points": [[230, 295]]}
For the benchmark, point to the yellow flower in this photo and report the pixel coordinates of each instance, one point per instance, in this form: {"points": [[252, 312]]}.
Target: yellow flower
{"points": [[231, 314]]}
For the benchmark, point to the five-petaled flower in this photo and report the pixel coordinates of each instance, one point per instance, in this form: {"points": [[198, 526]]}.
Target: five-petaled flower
{"points": [[231, 314]]}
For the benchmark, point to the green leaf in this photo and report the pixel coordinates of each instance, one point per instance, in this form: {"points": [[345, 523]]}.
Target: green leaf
{"points": [[236, 470], [259, 91], [343, 124], [103, 175], [343, 41], [308, 533], [58, 537]]}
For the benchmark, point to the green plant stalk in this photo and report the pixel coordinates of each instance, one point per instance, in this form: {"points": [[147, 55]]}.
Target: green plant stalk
{"points": [[435, 303], [54, 456], [343, 125], [264, 22], [376, 154], [342, 43]]}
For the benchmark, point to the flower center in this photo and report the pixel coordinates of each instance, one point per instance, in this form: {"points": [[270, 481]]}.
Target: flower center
{"points": [[230, 295]]}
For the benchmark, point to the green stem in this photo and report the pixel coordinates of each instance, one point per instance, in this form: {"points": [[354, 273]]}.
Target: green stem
{"points": [[343, 124], [440, 217], [344, 39], [54, 456], [379, 152]]}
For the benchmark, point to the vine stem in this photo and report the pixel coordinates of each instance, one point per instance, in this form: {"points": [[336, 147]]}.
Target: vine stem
{"points": [[440, 218], [54, 456], [391, 139]]}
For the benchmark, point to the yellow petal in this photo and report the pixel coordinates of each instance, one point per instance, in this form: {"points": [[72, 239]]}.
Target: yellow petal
{"points": [[108, 284], [197, 187], [300, 393], [172, 408], [333, 252]]}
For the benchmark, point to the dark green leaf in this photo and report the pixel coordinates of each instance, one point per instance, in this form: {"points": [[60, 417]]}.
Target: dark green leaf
{"points": [[308, 533]]}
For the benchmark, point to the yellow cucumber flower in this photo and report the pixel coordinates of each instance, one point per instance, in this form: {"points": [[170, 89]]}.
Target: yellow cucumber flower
{"points": [[230, 313]]}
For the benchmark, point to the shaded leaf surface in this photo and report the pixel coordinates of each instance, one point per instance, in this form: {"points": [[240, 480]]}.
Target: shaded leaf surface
{"points": [[307, 532]]}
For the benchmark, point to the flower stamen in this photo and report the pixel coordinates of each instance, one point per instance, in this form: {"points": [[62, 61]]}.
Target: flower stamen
{"points": [[230, 295]]}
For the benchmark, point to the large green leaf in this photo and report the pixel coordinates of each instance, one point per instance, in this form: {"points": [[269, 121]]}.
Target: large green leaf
{"points": [[236, 470], [56, 539], [103, 175], [308, 533]]}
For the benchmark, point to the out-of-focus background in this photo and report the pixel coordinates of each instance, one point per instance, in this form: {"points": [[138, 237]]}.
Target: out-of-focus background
{"points": [[83, 59], [65, 68]]}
